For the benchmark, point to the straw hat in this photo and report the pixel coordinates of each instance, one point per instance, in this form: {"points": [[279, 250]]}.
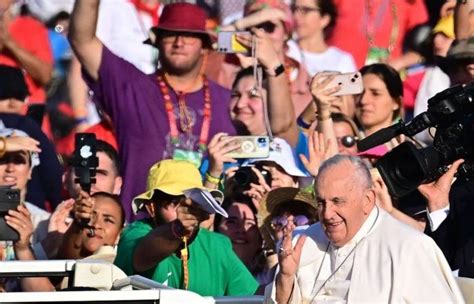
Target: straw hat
{"points": [[271, 200]]}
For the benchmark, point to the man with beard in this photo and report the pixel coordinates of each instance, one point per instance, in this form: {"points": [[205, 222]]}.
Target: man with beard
{"points": [[170, 114]]}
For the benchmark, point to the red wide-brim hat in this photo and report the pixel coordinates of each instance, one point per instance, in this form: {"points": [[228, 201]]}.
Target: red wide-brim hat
{"points": [[180, 17]]}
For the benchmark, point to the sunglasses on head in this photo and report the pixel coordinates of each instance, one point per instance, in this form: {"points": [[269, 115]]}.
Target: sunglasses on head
{"points": [[348, 141], [280, 222]]}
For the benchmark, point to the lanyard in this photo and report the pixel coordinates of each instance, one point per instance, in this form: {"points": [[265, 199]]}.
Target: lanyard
{"points": [[371, 27], [185, 258], [185, 118]]}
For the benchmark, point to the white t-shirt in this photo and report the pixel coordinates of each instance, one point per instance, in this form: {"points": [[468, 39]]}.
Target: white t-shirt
{"points": [[333, 59]]}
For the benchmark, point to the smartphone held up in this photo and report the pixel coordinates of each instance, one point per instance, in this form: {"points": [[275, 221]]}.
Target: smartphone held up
{"points": [[227, 42], [349, 83], [250, 147]]}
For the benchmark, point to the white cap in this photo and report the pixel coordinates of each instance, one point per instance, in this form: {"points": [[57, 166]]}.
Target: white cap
{"points": [[7, 132], [282, 154]]}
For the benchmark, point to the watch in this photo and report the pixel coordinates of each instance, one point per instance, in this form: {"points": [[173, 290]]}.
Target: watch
{"points": [[279, 69]]}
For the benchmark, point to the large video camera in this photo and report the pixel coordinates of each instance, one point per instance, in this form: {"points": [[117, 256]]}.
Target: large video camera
{"points": [[406, 167]]}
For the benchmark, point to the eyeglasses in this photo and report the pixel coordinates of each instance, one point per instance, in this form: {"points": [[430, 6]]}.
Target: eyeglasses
{"points": [[348, 141], [186, 38], [303, 10], [280, 222]]}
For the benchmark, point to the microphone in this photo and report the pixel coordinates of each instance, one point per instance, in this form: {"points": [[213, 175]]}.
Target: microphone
{"points": [[380, 137]]}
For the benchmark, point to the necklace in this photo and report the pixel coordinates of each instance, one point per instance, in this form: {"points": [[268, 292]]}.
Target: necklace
{"points": [[314, 294], [371, 27], [185, 120]]}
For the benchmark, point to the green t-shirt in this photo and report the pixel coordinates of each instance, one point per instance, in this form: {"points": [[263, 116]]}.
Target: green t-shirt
{"points": [[214, 268]]}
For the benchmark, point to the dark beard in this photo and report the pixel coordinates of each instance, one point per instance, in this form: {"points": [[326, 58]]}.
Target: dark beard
{"points": [[170, 68]]}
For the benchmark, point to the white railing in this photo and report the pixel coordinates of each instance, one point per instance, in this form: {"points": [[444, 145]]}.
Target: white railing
{"points": [[112, 284]]}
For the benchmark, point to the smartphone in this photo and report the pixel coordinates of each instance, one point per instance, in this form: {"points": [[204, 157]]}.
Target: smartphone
{"points": [[227, 43], [9, 199], [85, 160], [350, 83], [251, 147]]}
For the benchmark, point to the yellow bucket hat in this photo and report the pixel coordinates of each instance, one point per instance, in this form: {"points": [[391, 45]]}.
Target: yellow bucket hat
{"points": [[171, 177], [445, 26]]}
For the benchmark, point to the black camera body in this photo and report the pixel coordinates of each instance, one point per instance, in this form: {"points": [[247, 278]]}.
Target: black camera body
{"points": [[244, 176], [406, 167], [9, 199], [85, 161]]}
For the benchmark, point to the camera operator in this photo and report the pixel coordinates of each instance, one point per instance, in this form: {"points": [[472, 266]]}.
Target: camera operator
{"points": [[158, 248], [450, 219]]}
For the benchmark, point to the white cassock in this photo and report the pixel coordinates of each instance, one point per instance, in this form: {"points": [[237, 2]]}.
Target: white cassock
{"points": [[387, 261]]}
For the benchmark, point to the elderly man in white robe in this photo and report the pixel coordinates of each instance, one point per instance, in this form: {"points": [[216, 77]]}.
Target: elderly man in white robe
{"points": [[358, 253]]}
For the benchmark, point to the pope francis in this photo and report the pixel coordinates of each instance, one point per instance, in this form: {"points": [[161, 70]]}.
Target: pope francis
{"points": [[358, 253]]}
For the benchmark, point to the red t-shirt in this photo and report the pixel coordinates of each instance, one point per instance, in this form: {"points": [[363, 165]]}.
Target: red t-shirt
{"points": [[31, 35], [350, 32]]}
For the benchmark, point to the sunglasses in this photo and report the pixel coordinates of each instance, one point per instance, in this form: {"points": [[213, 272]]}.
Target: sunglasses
{"points": [[348, 141], [303, 10], [186, 38], [280, 222]]}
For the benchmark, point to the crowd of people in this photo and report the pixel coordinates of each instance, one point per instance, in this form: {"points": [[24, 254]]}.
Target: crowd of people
{"points": [[310, 220]]}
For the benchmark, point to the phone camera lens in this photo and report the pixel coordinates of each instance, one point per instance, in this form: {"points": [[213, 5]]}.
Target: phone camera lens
{"points": [[353, 80], [356, 76], [262, 140]]}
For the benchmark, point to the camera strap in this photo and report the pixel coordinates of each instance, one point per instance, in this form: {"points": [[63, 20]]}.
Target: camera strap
{"points": [[258, 89]]}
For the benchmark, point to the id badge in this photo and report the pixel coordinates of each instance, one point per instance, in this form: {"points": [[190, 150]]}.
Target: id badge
{"points": [[190, 156], [376, 55]]}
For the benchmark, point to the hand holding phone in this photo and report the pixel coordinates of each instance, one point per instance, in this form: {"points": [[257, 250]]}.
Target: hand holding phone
{"points": [[250, 147], [349, 84], [227, 42]]}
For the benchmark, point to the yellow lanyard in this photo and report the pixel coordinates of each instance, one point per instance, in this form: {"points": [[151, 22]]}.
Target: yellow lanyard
{"points": [[184, 257]]}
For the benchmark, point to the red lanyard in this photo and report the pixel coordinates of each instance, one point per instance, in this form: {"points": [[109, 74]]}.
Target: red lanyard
{"points": [[185, 119]]}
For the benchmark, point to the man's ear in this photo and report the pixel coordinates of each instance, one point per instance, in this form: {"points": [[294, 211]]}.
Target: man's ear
{"points": [[118, 182], [151, 209], [325, 20], [369, 201]]}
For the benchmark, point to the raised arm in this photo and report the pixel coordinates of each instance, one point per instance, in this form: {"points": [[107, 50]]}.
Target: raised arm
{"points": [[166, 239], [37, 67], [86, 45], [281, 113]]}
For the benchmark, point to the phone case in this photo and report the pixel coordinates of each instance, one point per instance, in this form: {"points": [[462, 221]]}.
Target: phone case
{"points": [[251, 147], [227, 43], [350, 83], [9, 199]]}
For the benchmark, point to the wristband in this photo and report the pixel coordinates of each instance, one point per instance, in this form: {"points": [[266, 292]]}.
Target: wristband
{"points": [[300, 122], [212, 179]]}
